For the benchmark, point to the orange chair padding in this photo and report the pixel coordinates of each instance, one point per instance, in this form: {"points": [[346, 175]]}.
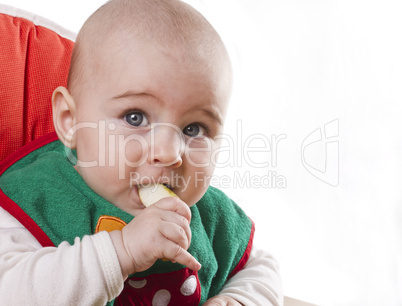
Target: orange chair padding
{"points": [[34, 60]]}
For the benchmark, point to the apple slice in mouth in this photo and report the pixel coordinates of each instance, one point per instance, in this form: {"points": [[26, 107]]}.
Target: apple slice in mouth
{"points": [[152, 193]]}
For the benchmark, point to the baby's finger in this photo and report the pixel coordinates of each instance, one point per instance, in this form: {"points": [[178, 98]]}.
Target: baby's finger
{"points": [[172, 217], [176, 234], [176, 253], [176, 205]]}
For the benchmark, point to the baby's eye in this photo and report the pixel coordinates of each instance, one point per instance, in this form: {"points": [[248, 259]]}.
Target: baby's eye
{"points": [[194, 130], [136, 119]]}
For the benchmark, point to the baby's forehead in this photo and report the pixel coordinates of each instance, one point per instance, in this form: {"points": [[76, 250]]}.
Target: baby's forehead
{"points": [[174, 26]]}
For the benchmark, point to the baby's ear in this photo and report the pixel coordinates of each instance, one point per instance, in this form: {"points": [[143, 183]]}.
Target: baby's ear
{"points": [[63, 116]]}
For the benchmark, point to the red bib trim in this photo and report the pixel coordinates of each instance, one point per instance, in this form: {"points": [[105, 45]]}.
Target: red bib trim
{"points": [[11, 206], [246, 254]]}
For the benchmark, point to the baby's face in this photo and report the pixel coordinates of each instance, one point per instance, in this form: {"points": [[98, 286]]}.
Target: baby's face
{"points": [[149, 116]]}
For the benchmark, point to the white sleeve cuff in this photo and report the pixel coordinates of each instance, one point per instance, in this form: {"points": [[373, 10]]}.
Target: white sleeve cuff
{"points": [[258, 283], [109, 263]]}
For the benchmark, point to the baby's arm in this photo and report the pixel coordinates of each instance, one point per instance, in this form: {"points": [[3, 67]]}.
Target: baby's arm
{"points": [[85, 273], [258, 283]]}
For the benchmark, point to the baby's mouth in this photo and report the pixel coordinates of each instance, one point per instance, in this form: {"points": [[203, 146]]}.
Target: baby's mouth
{"points": [[167, 185], [151, 194]]}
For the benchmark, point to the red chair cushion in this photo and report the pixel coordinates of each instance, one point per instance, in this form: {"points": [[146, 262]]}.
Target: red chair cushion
{"points": [[34, 60]]}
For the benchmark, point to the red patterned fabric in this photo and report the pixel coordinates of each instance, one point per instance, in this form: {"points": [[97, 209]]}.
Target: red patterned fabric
{"points": [[180, 287], [33, 62]]}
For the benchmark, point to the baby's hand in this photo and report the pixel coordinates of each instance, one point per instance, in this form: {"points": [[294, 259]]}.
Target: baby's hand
{"points": [[159, 231], [222, 300]]}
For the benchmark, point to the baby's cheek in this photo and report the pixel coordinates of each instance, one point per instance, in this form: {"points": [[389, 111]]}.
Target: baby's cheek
{"points": [[202, 154], [197, 181], [132, 151], [199, 161]]}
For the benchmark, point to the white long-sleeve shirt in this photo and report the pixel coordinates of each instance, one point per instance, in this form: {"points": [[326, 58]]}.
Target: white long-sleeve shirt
{"points": [[88, 272]]}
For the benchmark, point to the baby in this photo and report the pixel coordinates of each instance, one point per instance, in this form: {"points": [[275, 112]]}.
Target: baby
{"points": [[147, 94]]}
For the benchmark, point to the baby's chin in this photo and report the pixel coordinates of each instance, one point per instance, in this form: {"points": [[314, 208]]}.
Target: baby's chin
{"points": [[133, 209], [128, 201], [189, 198]]}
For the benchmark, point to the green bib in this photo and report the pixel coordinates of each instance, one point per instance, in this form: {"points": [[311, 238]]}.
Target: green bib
{"points": [[47, 195]]}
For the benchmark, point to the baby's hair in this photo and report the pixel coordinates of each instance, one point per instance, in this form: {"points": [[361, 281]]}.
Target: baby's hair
{"points": [[173, 24]]}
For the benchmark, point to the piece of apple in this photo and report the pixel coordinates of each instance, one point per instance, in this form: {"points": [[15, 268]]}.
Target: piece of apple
{"points": [[152, 193]]}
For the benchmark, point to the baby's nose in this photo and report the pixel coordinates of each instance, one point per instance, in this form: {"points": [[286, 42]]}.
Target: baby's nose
{"points": [[167, 146]]}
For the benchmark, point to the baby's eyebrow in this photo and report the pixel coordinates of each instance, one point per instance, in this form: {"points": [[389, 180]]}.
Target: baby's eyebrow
{"points": [[129, 93], [213, 115]]}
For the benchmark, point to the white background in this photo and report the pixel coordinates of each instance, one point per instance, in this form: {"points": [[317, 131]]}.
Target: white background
{"points": [[325, 76]]}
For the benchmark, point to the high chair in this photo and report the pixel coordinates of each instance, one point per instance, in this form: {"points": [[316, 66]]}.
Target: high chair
{"points": [[34, 60]]}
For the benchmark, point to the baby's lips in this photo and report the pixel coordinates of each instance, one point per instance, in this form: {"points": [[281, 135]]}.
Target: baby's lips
{"points": [[152, 193]]}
